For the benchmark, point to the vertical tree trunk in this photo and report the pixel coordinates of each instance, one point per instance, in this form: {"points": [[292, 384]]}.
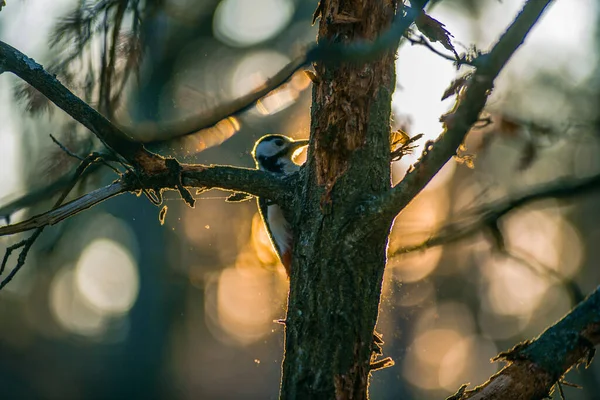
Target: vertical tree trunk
{"points": [[340, 250]]}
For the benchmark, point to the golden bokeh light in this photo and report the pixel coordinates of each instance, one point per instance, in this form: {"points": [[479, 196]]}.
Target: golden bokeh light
{"points": [[107, 277], [70, 309], [448, 315], [254, 70], [415, 224], [227, 232], [420, 218], [245, 23], [300, 81], [425, 355], [513, 288], [466, 361], [545, 238], [431, 346], [247, 303]]}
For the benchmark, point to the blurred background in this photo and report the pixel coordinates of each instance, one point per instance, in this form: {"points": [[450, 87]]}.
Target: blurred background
{"points": [[113, 305]]}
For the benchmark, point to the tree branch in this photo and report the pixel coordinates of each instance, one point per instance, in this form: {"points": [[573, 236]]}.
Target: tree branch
{"points": [[133, 151], [251, 181], [36, 195], [14, 61], [422, 41], [163, 132], [535, 367], [68, 210], [489, 215], [25, 245], [328, 52], [437, 153]]}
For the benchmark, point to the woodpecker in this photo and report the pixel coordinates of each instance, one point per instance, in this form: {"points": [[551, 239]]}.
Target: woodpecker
{"points": [[274, 154]]}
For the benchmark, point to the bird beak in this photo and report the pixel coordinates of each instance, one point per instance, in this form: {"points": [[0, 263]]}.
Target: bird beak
{"points": [[299, 143]]}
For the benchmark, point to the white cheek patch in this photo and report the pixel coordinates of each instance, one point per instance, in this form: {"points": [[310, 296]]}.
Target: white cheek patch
{"points": [[267, 149]]}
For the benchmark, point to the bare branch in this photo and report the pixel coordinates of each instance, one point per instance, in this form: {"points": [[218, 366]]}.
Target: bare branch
{"points": [[133, 151], [161, 132], [327, 52], [25, 245], [437, 153], [534, 367], [37, 195], [68, 210], [14, 61], [251, 181], [489, 215]]}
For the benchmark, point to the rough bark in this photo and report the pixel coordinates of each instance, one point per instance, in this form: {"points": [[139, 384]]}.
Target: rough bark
{"points": [[334, 290], [535, 367]]}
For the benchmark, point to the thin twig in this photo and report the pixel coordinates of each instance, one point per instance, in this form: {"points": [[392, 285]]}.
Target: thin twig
{"points": [[68, 210], [26, 244], [64, 148], [245, 180], [422, 41]]}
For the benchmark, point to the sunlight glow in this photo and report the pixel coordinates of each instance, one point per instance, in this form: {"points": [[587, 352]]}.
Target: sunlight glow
{"points": [[425, 355], [107, 277], [513, 288], [261, 242], [255, 69], [465, 361], [416, 223], [547, 238], [422, 78], [246, 303], [71, 310], [244, 23]]}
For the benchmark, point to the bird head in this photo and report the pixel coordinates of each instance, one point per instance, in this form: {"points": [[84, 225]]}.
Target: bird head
{"points": [[275, 153]]}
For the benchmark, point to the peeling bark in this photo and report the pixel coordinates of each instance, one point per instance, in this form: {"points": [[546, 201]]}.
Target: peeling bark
{"points": [[335, 290], [343, 96]]}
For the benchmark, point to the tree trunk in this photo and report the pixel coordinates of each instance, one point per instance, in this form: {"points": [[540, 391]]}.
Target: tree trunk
{"points": [[340, 244]]}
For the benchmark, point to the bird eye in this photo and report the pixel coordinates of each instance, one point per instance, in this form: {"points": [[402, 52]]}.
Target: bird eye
{"points": [[279, 142]]}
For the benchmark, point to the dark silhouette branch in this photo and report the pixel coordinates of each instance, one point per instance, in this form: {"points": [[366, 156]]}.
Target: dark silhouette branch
{"points": [[534, 367], [489, 215], [132, 150], [469, 106], [14, 61], [458, 60], [25, 245], [68, 210], [243, 180], [327, 52], [37, 195]]}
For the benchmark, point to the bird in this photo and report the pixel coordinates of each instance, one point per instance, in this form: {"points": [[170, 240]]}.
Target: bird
{"points": [[275, 153]]}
